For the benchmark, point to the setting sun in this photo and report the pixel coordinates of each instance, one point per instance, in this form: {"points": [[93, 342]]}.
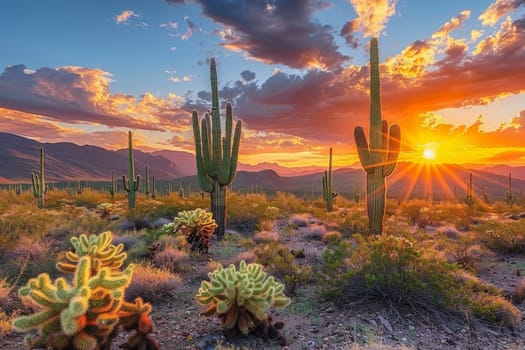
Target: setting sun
{"points": [[429, 154]]}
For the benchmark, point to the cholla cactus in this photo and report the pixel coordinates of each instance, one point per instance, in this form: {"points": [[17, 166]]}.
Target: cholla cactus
{"points": [[198, 226], [85, 313], [241, 298]]}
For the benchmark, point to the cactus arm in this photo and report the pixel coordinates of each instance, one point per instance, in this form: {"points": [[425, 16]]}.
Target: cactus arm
{"points": [[394, 143], [215, 116], [224, 173], [137, 183], [207, 150], [204, 182], [34, 185], [235, 151], [362, 148], [125, 182]]}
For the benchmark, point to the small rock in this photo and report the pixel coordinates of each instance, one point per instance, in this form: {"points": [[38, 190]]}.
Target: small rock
{"points": [[412, 328]]}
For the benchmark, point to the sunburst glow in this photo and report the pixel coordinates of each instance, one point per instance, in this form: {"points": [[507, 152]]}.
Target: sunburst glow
{"points": [[429, 154]]}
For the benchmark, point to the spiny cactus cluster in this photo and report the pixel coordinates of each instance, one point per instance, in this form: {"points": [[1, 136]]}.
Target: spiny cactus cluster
{"points": [[378, 156], [216, 155], [241, 298], [198, 226], [85, 313]]}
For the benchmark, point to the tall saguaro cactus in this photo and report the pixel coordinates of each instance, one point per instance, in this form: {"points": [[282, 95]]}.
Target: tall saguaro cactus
{"points": [[469, 197], [132, 183], [511, 197], [379, 156], [216, 155], [113, 186], [328, 188], [38, 183]]}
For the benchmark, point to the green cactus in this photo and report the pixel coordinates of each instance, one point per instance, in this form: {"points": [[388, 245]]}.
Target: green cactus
{"points": [[40, 188], [198, 227], [131, 184], [18, 188], [181, 190], [80, 188], [146, 183], [86, 312], [113, 186], [378, 157], [469, 198], [328, 188], [511, 197], [216, 155], [357, 193], [240, 298], [153, 188]]}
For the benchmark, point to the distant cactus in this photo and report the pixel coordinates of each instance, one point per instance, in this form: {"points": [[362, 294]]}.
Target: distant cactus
{"points": [[181, 190], [198, 226], [379, 156], [357, 193], [86, 312], [511, 197], [131, 184], [146, 183], [18, 188], [328, 188], [113, 186], [216, 155], [80, 188], [241, 298], [37, 181], [469, 199], [153, 188]]}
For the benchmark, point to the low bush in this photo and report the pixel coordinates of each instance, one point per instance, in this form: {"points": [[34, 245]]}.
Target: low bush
{"points": [[504, 237], [152, 283]]}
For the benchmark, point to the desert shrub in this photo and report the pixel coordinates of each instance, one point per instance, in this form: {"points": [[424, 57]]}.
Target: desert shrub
{"points": [[139, 249], [89, 198], [504, 237], [152, 283], [126, 240], [280, 262], [331, 236], [248, 256], [288, 203], [266, 236], [315, 232], [393, 269], [352, 222], [172, 259], [300, 220], [22, 221], [245, 211]]}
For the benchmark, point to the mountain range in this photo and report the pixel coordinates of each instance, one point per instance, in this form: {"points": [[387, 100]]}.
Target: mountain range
{"points": [[71, 162]]}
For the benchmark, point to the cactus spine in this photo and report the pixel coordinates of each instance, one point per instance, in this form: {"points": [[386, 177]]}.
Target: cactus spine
{"points": [[469, 198], [147, 184], [131, 184], [511, 197], [328, 188], [216, 155], [378, 157], [113, 187], [38, 183]]}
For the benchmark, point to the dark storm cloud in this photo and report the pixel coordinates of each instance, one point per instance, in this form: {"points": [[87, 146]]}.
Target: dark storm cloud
{"points": [[277, 32], [348, 31], [248, 75]]}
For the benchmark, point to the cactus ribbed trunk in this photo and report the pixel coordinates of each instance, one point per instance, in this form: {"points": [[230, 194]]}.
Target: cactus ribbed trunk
{"points": [[379, 155], [375, 199], [131, 184], [38, 182], [218, 208]]}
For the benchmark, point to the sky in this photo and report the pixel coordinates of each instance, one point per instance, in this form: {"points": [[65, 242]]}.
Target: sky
{"points": [[295, 71]]}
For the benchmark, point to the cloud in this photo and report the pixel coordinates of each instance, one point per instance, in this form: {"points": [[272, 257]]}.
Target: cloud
{"points": [[124, 16], [191, 27], [499, 9], [454, 23], [373, 14], [506, 157], [283, 33], [348, 31], [247, 75], [78, 95]]}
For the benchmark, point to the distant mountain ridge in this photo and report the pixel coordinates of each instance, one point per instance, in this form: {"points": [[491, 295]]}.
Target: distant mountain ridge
{"points": [[71, 162]]}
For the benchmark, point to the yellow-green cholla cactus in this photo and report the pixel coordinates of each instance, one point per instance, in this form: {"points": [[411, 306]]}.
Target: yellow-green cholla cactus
{"points": [[198, 226], [85, 313], [241, 298]]}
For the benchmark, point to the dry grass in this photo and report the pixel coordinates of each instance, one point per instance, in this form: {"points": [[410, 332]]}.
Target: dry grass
{"points": [[266, 236], [172, 259], [152, 283]]}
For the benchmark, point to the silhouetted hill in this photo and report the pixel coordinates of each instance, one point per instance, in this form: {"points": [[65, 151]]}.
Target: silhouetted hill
{"points": [[67, 161], [518, 172]]}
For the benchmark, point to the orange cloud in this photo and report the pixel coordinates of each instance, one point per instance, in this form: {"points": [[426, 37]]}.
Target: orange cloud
{"points": [[373, 14], [454, 23], [497, 10], [124, 16]]}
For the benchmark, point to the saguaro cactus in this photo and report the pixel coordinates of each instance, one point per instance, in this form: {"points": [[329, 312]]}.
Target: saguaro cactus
{"points": [[328, 188], [511, 197], [153, 189], [469, 198], [131, 184], [378, 157], [38, 183], [146, 183], [113, 187], [18, 187], [216, 155]]}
